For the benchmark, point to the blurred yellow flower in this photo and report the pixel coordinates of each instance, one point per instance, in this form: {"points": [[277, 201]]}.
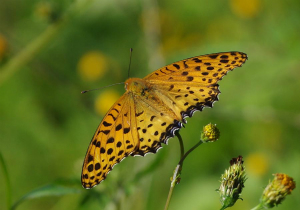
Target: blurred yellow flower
{"points": [[245, 8], [3, 46], [92, 66], [105, 100], [257, 164]]}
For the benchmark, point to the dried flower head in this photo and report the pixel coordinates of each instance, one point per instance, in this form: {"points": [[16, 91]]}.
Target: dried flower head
{"points": [[232, 182], [277, 190]]}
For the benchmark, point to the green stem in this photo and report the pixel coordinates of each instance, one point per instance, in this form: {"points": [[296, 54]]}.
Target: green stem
{"points": [[31, 50], [173, 183], [177, 171], [180, 143], [190, 150], [258, 207], [7, 182]]}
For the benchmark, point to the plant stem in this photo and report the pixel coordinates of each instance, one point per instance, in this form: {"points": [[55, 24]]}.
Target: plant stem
{"points": [[258, 207], [190, 150], [7, 182], [177, 171], [180, 143], [31, 50], [173, 183]]}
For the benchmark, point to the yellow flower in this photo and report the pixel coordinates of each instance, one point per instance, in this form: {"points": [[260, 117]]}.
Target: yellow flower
{"points": [[92, 66], [105, 100], [245, 8], [210, 133]]}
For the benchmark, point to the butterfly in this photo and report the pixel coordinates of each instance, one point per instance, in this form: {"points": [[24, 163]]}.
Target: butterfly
{"points": [[153, 108]]}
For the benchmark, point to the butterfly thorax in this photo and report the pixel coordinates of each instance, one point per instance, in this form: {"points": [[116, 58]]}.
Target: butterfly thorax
{"points": [[137, 86], [144, 92]]}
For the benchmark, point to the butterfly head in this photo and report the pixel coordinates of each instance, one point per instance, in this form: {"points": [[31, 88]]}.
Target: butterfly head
{"points": [[137, 86]]}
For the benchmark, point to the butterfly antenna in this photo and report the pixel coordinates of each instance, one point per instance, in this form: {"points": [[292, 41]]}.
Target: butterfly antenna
{"points": [[130, 61], [102, 87]]}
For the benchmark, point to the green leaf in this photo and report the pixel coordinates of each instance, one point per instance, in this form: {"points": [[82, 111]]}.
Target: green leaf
{"points": [[48, 190]]}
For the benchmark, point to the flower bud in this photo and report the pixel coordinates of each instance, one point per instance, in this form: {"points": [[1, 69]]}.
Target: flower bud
{"points": [[232, 182], [210, 133], [277, 190]]}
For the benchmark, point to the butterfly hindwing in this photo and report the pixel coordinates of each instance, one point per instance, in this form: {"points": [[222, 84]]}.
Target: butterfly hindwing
{"points": [[155, 122]]}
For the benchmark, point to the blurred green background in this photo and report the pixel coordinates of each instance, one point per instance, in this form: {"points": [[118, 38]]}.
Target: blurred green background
{"points": [[52, 50]]}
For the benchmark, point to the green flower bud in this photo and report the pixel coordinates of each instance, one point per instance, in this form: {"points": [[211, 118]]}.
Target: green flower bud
{"points": [[232, 182], [277, 190]]}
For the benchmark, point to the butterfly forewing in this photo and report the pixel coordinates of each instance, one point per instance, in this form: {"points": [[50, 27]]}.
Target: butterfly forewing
{"points": [[114, 139], [191, 84], [205, 69]]}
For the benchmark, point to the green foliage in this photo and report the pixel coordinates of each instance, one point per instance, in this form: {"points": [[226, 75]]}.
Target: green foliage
{"points": [[46, 124], [48, 190]]}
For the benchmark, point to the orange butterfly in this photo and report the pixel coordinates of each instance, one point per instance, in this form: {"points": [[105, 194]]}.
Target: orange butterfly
{"points": [[153, 108]]}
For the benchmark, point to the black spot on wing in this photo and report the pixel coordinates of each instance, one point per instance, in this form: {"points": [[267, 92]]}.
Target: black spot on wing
{"points": [[197, 60], [213, 56], [185, 65], [184, 73], [126, 130], [189, 79], [114, 118], [110, 140], [106, 124], [118, 127], [176, 66], [97, 166], [90, 158], [224, 56], [138, 114], [197, 68], [105, 131], [171, 87], [224, 61]]}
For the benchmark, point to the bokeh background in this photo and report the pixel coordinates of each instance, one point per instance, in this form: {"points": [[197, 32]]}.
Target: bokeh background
{"points": [[52, 50]]}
